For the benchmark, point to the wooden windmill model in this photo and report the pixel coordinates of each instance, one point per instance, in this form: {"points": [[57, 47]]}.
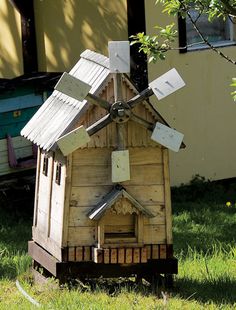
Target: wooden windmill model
{"points": [[102, 202]]}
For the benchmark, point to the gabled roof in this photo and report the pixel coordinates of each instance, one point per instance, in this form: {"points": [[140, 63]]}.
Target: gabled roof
{"points": [[60, 113], [111, 198]]}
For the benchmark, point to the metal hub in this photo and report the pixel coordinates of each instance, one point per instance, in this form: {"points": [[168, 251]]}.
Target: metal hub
{"points": [[120, 112]]}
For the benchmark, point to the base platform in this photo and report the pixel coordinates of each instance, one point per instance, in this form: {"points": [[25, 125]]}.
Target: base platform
{"points": [[85, 270]]}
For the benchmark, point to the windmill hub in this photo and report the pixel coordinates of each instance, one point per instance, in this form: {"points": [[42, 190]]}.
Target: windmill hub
{"points": [[120, 112]]}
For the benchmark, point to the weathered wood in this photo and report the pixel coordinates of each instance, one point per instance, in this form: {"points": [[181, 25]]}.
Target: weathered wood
{"points": [[154, 234], [81, 236], [136, 255], [37, 180], [42, 257], [149, 251], [140, 228], [87, 253], [121, 256], [71, 254], [128, 256], [143, 255], [98, 255], [67, 194], [79, 254], [99, 175], [155, 251], [106, 256], [88, 196], [113, 256], [47, 243], [163, 251], [169, 236]]}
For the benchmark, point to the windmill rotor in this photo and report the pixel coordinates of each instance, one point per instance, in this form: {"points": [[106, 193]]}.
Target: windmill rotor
{"points": [[120, 111]]}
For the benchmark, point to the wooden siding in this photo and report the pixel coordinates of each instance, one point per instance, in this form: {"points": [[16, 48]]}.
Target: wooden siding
{"points": [[134, 134], [49, 203], [91, 180]]}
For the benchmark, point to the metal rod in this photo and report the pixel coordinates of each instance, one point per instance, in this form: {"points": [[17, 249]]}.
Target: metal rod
{"points": [[98, 101], [145, 94], [104, 121]]}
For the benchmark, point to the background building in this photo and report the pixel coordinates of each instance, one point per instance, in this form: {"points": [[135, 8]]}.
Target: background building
{"points": [[40, 41]]}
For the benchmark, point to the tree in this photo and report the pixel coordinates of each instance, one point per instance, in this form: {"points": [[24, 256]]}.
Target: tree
{"points": [[156, 46]]}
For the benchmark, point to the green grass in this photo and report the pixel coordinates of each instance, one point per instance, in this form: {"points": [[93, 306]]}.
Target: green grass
{"points": [[204, 243]]}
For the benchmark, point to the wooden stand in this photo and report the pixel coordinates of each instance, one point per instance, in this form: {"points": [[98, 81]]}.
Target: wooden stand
{"points": [[63, 271]]}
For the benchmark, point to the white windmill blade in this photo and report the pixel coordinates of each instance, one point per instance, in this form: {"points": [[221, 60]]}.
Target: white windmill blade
{"points": [[120, 167], [73, 140], [167, 137], [119, 56], [167, 84], [73, 87]]}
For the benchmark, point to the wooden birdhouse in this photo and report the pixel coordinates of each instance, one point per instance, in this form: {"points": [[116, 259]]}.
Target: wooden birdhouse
{"points": [[102, 198]]}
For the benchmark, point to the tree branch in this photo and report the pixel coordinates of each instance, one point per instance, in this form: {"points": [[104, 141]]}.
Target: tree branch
{"points": [[208, 43], [230, 9]]}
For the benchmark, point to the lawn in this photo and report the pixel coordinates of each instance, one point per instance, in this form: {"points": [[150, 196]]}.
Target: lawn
{"points": [[204, 243]]}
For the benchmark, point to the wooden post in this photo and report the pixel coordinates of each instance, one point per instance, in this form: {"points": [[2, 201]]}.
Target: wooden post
{"points": [[169, 238], [119, 97]]}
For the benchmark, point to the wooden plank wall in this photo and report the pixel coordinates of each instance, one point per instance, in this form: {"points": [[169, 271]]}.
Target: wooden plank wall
{"points": [[135, 135], [22, 147], [91, 180], [49, 205]]}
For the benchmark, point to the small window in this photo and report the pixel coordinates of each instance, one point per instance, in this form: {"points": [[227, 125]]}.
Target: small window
{"points": [[58, 174], [219, 32], [45, 165]]}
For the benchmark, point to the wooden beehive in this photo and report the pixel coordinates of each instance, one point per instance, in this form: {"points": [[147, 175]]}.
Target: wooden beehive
{"points": [[80, 216]]}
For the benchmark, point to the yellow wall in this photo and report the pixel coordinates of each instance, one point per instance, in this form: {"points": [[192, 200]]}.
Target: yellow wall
{"points": [[65, 28], [204, 110], [11, 64]]}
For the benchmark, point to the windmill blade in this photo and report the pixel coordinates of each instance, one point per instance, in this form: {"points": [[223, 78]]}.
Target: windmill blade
{"points": [[79, 90], [119, 56], [73, 140], [167, 84], [73, 87], [120, 166], [167, 137]]}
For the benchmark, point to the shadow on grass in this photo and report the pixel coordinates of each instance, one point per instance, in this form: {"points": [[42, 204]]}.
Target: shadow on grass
{"points": [[218, 291]]}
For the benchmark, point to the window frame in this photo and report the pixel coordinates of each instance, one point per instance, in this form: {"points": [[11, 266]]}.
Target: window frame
{"points": [[182, 31]]}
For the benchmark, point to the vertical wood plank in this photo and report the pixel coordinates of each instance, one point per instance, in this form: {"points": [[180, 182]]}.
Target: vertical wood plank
{"points": [[128, 256], [169, 237], [50, 194], [98, 255], [71, 254], [140, 223], [87, 253], [121, 256], [106, 256], [136, 255], [162, 251], [38, 167], [149, 251], [67, 189], [155, 251], [113, 256], [143, 255], [79, 254], [100, 232]]}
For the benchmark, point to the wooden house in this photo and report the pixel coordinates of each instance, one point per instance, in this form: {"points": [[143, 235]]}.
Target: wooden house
{"points": [[85, 224]]}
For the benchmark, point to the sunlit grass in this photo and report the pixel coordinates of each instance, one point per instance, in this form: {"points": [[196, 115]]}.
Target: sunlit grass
{"points": [[204, 243]]}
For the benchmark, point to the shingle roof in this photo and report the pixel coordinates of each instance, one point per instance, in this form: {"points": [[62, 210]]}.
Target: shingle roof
{"points": [[60, 111]]}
